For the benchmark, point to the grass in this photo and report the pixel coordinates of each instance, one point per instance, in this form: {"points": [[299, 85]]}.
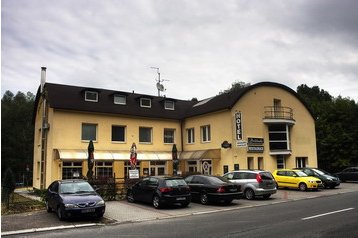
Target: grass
{"points": [[21, 204]]}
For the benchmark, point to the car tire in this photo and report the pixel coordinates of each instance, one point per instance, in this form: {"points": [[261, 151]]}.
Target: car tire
{"points": [[48, 208], [302, 187], [156, 202], [249, 194], [267, 196], [130, 197], [204, 199], [60, 214]]}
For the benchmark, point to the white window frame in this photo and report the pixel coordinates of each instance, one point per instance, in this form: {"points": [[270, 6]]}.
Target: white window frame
{"points": [[190, 132], [205, 131], [89, 124], [144, 105], [120, 99], [124, 131], [169, 105], [89, 99], [171, 136]]}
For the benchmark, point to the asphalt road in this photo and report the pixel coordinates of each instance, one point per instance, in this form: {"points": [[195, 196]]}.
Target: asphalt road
{"points": [[332, 216]]}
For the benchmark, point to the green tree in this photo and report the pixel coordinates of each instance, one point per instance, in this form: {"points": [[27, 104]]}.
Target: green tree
{"points": [[17, 132], [234, 86], [8, 187]]}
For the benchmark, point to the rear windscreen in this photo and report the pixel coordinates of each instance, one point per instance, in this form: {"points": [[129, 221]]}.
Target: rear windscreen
{"points": [[175, 182], [266, 175]]}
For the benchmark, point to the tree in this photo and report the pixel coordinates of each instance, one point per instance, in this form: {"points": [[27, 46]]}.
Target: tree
{"points": [[235, 86], [8, 186]]}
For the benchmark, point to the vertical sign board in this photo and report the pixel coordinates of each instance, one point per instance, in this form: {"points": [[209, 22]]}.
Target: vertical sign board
{"points": [[238, 126]]}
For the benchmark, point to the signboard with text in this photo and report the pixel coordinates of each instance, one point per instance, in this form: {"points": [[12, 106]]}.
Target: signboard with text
{"points": [[238, 126]]}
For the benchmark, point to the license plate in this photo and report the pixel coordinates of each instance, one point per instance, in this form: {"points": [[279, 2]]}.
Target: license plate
{"points": [[88, 210], [181, 199], [233, 190]]}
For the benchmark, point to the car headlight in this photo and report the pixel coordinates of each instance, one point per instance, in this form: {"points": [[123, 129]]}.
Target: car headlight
{"points": [[311, 181], [329, 179], [100, 202], [70, 205]]}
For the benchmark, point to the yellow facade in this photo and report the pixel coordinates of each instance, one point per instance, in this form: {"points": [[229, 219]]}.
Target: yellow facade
{"points": [[65, 127]]}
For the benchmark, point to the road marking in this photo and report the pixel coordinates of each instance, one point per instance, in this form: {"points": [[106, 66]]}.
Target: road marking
{"points": [[328, 213]]}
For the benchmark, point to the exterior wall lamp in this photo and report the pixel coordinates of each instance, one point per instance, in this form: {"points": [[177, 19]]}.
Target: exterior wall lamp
{"points": [[226, 145]]}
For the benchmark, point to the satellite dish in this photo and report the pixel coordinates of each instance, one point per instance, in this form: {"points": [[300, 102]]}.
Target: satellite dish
{"points": [[160, 87]]}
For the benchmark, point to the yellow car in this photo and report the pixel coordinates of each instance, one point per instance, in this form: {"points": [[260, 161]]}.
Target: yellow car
{"points": [[291, 178]]}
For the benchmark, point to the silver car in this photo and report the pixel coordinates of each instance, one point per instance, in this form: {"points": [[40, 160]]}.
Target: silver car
{"points": [[253, 182]]}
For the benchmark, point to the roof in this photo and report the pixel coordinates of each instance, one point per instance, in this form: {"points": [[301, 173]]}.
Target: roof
{"points": [[68, 97]]}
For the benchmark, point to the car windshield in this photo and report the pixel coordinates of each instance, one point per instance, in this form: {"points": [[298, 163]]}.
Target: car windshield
{"points": [[175, 182], [217, 180], [77, 187], [266, 175], [301, 174], [320, 172]]}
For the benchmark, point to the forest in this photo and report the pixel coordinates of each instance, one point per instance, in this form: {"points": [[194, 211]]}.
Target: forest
{"points": [[336, 130]]}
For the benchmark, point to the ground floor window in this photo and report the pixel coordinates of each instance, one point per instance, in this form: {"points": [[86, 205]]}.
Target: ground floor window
{"points": [[301, 162], [192, 166], [206, 167], [280, 162], [71, 170], [260, 163], [104, 169], [157, 168], [127, 167], [250, 162]]}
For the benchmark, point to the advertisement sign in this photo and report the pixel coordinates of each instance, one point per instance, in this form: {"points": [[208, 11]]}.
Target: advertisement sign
{"points": [[255, 141], [255, 149], [133, 174], [238, 126]]}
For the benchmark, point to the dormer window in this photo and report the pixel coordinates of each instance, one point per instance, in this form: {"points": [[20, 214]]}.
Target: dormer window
{"points": [[120, 99], [91, 96], [145, 102], [169, 105]]}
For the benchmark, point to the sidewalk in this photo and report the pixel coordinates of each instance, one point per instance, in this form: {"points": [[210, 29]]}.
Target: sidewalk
{"points": [[123, 212]]}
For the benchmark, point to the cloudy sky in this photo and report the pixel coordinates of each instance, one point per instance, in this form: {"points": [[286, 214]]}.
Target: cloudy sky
{"points": [[200, 46]]}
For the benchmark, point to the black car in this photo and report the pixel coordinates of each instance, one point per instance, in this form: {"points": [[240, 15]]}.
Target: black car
{"points": [[328, 180], [207, 188], [72, 198], [160, 191], [348, 174]]}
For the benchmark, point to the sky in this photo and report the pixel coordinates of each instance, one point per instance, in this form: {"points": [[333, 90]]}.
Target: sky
{"points": [[201, 47]]}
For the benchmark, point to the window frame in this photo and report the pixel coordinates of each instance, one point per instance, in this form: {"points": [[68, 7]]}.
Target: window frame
{"points": [[143, 105], [190, 138], [91, 92], [151, 135], [120, 96], [124, 134], [170, 102], [96, 131], [172, 136], [205, 131]]}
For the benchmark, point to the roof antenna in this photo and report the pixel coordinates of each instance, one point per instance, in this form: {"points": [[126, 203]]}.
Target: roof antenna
{"points": [[159, 81]]}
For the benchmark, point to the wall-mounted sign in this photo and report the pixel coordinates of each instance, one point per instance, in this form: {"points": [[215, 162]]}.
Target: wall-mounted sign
{"points": [[238, 126], [255, 149], [255, 141], [241, 143], [133, 173]]}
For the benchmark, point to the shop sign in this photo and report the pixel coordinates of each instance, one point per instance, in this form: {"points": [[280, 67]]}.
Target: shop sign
{"points": [[255, 141], [133, 173], [241, 143], [255, 149], [238, 126]]}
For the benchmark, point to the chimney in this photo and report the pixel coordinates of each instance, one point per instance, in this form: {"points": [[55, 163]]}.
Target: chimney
{"points": [[43, 78]]}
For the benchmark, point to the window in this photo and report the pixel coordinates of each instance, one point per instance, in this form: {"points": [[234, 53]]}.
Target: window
{"points": [[250, 162], [104, 169], [118, 133], [192, 166], [120, 99], [205, 134], [301, 162], [91, 96], [169, 105], [89, 132], [145, 135], [280, 162], [145, 102], [279, 137], [71, 170], [169, 136], [190, 136], [260, 163]]}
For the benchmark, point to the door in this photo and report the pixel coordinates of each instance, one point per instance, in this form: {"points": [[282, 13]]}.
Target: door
{"points": [[157, 168], [206, 167]]}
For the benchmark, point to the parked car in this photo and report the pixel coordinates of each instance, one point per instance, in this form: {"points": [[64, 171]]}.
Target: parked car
{"points": [[71, 198], [160, 191], [289, 178], [207, 188], [253, 182], [348, 174], [328, 180]]}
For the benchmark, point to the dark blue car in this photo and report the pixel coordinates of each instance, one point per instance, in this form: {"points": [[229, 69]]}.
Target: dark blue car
{"points": [[74, 198]]}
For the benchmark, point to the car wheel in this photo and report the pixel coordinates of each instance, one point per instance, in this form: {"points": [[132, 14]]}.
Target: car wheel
{"points": [[249, 194], [130, 197], [60, 214], [156, 202], [48, 208], [204, 199], [267, 196], [302, 186]]}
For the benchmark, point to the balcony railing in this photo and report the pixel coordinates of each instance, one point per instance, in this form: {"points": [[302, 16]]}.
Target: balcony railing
{"points": [[278, 113]]}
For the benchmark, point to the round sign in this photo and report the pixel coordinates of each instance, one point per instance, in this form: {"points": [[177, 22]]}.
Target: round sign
{"points": [[205, 166]]}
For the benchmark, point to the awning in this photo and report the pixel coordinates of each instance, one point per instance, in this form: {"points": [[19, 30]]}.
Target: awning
{"points": [[199, 154], [64, 154]]}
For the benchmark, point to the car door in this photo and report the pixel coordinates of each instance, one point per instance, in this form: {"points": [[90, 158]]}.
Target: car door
{"points": [[52, 195], [281, 178], [291, 179], [194, 184], [139, 191]]}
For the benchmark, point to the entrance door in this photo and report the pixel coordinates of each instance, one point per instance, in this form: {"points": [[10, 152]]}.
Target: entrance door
{"points": [[157, 168], [206, 167]]}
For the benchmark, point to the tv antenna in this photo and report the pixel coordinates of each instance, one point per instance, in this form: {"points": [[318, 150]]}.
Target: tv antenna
{"points": [[159, 81]]}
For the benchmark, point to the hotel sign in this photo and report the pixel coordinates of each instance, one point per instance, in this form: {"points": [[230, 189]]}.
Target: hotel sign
{"points": [[238, 126], [255, 145]]}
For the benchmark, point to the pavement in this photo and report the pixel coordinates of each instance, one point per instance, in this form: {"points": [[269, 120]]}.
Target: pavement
{"points": [[118, 212]]}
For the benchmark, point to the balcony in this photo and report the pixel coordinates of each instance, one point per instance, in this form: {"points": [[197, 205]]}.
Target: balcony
{"points": [[278, 115]]}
